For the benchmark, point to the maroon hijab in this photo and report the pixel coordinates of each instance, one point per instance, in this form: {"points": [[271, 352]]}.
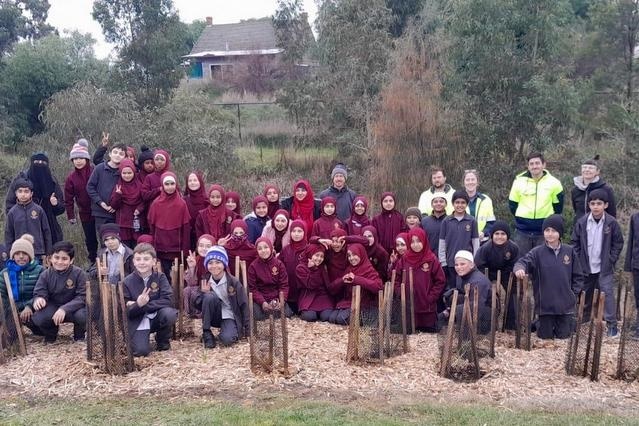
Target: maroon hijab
{"points": [[389, 224], [196, 200], [235, 196], [304, 209], [416, 259], [169, 211], [275, 205], [364, 268], [356, 222], [298, 246], [131, 191], [216, 215], [240, 246]]}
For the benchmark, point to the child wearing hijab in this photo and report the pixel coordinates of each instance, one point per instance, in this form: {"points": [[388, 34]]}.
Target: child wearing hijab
{"points": [[314, 300], [302, 205], [169, 222], [359, 216], [401, 245], [277, 230], [194, 275], [195, 198], [376, 253], [358, 272], [127, 201], [292, 255], [328, 220], [237, 244], [429, 279], [267, 277], [75, 192], [272, 194], [232, 203], [389, 223], [216, 218], [257, 220]]}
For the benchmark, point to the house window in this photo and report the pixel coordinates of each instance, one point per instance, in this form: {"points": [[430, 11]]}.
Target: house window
{"points": [[221, 71]]}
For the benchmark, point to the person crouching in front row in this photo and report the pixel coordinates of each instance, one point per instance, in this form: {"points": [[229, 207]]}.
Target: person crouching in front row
{"points": [[148, 296]]}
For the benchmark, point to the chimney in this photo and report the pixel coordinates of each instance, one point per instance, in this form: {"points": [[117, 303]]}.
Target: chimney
{"points": [[209, 20]]}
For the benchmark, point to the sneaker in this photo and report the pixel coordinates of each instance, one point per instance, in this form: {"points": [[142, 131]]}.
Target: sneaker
{"points": [[163, 346], [78, 339], [50, 340], [208, 339], [612, 331]]}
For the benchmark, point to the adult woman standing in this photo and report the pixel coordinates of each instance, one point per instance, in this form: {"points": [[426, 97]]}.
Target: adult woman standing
{"points": [[480, 205]]}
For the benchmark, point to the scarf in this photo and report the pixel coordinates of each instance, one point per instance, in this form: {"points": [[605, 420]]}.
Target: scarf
{"points": [[389, 223], [196, 200], [216, 215], [277, 244], [298, 246], [415, 259], [275, 205], [14, 269], [169, 211], [304, 209], [235, 196], [359, 221], [364, 268], [131, 191]]}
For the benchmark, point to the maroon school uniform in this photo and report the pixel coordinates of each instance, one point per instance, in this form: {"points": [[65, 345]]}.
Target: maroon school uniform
{"points": [[75, 188], [152, 185], [240, 246], [376, 253], [214, 220], [313, 281], [127, 202], [365, 276], [291, 256], [357, 222], [195, 200], [235, 196], [267, 277], [323, 226], [389, 224], [275, 205], [429, 279]]}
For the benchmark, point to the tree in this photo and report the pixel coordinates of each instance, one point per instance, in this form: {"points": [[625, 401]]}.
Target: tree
{"points": [[402, 11], [24, 19], [150, 41], [195, 30]]}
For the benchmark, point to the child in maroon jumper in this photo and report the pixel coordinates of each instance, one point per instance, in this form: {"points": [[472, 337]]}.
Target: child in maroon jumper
{"points": [[267, 277], [216, 218], [272, 194], [194, 275], [291, 256], [152, 185], [195, 198], [232, 202], [127, 201], [400, 248], [376, 253], [314, 300], [75, 189], [328, 221], [237, 244], [389, 223], [359, 218], [429, 279], [359, 272], [277, 230]]}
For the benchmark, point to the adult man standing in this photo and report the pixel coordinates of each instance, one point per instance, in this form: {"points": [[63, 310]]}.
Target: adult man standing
{"points": [[585, 184], [534, 195], [439, 185], [344, 196]]}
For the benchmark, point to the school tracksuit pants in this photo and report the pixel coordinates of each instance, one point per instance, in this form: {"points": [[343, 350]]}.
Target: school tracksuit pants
{"points": [[604, 283], [160, 325], [212, 317], [42, 319]]}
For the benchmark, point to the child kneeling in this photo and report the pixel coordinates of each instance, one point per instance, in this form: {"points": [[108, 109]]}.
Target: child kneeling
{"points": [[223, 301]]}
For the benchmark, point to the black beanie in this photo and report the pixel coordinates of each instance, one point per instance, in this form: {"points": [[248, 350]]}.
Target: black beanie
{"points": [[500, 225], [555, 222], [598, 194], [460, 194], [145, 154]]}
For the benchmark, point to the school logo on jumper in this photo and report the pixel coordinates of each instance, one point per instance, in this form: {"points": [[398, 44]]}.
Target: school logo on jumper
{"points": [[607, 230], [566, 260], [508, 255], [154, 286], [70, 284], [230, 290], [229, 219], [467, 228], [425, 267], [34, 214], [274, 270]]}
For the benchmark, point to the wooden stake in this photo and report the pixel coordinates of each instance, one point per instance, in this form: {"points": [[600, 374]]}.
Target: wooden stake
{"points": [[380, 324], [411, 289], [591, 327], [403, 302], [244, 277], [624, 336], [527, 317], [476, 308], [284, 333], [596, 356], [237, 267], [89, 303], [105, 294], [493, 318], [355, 317], [125, 327], [14, 312], [251, 329], [271, 340], [106, 265], [518, 319], [507, 301], [180, 298], [473, 336], [460, 336], [3, 331], [350, 351], [572, 353], [447, 349]]}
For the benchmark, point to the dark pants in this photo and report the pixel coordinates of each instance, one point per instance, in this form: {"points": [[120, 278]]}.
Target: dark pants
{"points": [[555, 326], [451, 277], [635, 279], [312, 316], [259, 315], [340, 316], [606, 284], [160, 325], [99, 221], [42, 319], [212, 317], [90, 240], [166, 268], [526, 241]]}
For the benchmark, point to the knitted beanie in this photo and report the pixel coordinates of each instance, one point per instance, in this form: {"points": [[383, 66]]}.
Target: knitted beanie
{"points": [[145, 239], [216, 253], [23, 183], [460, 195], [555, 222], [80, 150], [109, 230], [24, 246], [500, 225], [339, 168], [465, 254], [145, 154], [413, 211]]}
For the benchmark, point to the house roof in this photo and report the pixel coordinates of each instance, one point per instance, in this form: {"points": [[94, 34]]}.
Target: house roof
{"points": [[242, 38]]}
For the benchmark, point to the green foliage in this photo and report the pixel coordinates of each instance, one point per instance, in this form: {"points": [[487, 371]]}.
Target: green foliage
{"points": [[195, 30], [22, 19], [292, 31], [402, 11]]}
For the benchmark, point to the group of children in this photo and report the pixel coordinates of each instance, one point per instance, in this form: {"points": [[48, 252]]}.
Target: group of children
{"points": [[297, 246]]}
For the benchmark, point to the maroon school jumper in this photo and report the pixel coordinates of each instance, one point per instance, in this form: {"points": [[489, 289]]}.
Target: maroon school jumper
{"points": [[314, 282], [389, 223], [326, 224], [365, 276], [267, 278], [291, 256]]}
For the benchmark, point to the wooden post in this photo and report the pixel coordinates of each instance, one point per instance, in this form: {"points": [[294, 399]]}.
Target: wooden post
{"points": [[411, 289], [355, 317], [476, 307], [493, 318], [244, 277], [89, 303], [518, 319], [350, 349], [393, 276], [403, 302], [507, 301], [595, 299], [2, 331], [572, 353], [447, 348], [473, 336], [105, 294], [624, 336], [596, 356], [387, 313], [125, 326], [271, 340], [527, 316], [14, 312], [237, 267], [380, 324], [180, 298], [176, 296], [463, 319], [251, 329], [620, 284], [284, 333], [106, 265], [114, 310]]}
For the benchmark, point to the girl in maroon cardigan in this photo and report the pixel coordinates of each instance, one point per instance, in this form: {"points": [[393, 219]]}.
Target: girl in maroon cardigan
{"points": [[216, 218], [314, 300], [232, 202], [195, 198], [237, 244], [291, 256], [376, 253], [153, 183], [169, 223], [267, 277], [272, 194], [389, 223], [127, 201], [400, 248], [359, 272], [359, 217], [429, 279], [328, 221], [277, 230], [194, 274]]}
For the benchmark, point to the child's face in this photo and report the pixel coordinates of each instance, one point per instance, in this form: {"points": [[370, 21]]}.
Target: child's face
{"points": [[318, 258], [61, 261], [551, 236], [280, 223], [149, 165], [360, 209], [23, 195], [261, 209], [500, 238], [111, 243], [412, 221], [21, 258], [388, 203], [159, 162], [127, 174], [416, 244], [143, 263], [300, 193], [272, 195], [370, 237], [463, 266], [336, 244], [263, 250], [203, 245], [79, 163], [460, 206], [117, 155], [216, 268], [231, 204], [215, 198], [193, 183], [238, 232], [400, 246], [353, 258], [329, 209], [297, 234], [597, 208], [439, 205], [169, 186]]}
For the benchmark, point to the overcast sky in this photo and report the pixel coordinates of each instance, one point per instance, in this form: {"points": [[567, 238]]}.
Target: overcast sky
{"points": [[76, 14]]}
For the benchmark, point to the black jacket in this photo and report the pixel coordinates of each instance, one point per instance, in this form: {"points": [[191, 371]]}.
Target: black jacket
{"points": [[612, 244], [237, 300], [579, 197], [161, 296], [632, 249], [66, 289], [497, 258]]}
